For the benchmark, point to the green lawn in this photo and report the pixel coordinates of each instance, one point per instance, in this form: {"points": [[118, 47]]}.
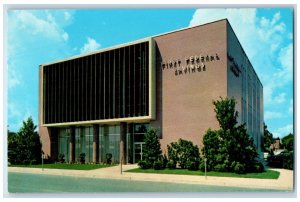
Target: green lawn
{"points": [[269, 174], [66, 166]]}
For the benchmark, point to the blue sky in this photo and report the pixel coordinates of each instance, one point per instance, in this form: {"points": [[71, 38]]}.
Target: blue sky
{"points": [[39, 36]]}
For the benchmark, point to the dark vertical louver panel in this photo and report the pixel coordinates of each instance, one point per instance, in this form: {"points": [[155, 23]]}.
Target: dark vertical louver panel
{"points": [[123, 83], [94, 94], [56, 91], [112, 83], [88, 88], [116, 95], [131, 81], [127, 82], [107, 85], [76, 90], [69, 72], [100, 79], [147, 79], [83, 89]]}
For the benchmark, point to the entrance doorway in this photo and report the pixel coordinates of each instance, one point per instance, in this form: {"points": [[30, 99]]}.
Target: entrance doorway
{"points": [[138, 151]]}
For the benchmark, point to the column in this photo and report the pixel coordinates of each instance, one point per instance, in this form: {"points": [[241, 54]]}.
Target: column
{"points": [[72, 144], [123, 142], [53, 133], [96, 144]]}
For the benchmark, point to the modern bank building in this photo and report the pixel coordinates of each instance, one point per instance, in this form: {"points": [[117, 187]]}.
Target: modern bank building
{"points": [[103, 102]]}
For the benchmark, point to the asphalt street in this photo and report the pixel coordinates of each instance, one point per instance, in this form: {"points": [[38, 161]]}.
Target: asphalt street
{"points": [[37, 183]]}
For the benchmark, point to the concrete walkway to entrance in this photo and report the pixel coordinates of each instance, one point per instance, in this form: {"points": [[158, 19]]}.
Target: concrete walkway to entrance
{"points": [[284, 182]]}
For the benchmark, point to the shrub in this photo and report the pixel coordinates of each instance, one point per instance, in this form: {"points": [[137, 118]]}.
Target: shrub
{"points": [[108, 158], [202, 166], [283, 160], [183, 151], [82, 158], [61, 158], [288, 160], [144, 164], [171, 164], [192, 165], [164, 161], [258, 167], [220, 168], [157, 165], [239, 168]]}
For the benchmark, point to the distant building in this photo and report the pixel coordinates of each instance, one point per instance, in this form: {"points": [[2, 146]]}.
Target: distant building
{"points": [[276, 145], [103, 102]]}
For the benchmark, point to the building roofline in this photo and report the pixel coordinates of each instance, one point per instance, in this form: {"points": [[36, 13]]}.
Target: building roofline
{"points": [[128, 43], [99, 51], [244, 51]]}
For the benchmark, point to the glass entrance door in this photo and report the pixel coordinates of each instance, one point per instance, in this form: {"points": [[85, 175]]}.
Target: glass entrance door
{"points": [[138, 151]]}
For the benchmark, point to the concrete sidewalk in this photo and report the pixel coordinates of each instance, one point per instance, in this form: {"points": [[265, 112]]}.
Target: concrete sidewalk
{"points": [[284, 182]]}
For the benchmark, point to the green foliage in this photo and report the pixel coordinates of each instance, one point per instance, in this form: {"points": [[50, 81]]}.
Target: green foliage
{"points": [[25, 147], [151, 149], [258, 167], [158, 165], [268, 138], [192, 165], [202, 167], [225, 113], [164, 161], [171, 164], [73, 166], [239, 168], [268, 174], [183, 151], [282, 160], [230, 148], [288, 160], [144, 164], [61, 158], [288, 142], [82, 158], [108, 158]]}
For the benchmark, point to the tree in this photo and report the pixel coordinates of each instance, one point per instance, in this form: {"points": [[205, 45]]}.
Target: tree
{"points": [[268, 138], [13, 142], [229, 148], [25, 147], [288, 142], [225, 113], [151, 150]]}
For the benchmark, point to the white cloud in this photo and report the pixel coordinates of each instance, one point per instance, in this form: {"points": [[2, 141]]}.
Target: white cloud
{"points": [[286, 61], [242, 21], [283, 131], [13, 110], [268, 44], [272, 115], [67, 15], [262, 39], [90, 45], [34, 37], [14, 78], [29, 23], [65, 36]]}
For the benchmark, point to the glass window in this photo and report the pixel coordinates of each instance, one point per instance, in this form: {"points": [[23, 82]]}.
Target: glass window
{"points": [[110, 143], [63, 143]]}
